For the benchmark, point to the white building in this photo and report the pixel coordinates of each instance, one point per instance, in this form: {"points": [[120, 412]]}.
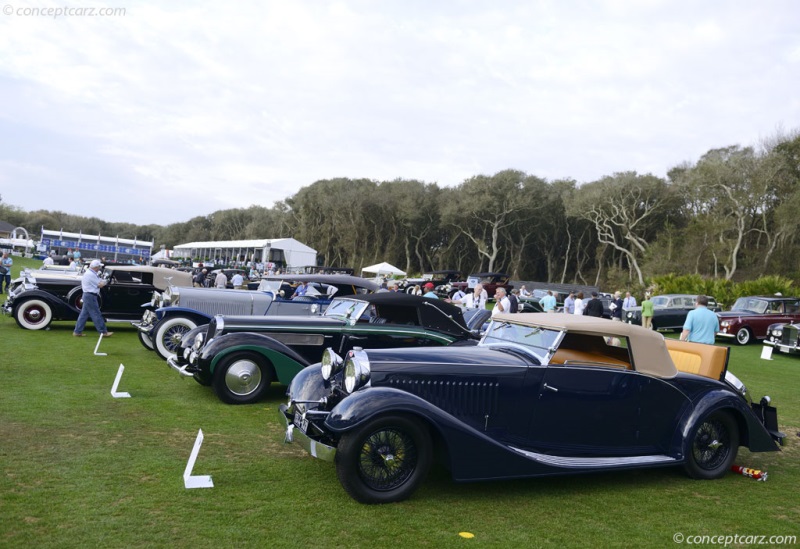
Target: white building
{"points": [[112, 248], [283, 253]]}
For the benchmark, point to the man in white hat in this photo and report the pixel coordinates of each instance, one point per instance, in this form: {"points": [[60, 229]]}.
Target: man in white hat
{"points": [[91, 282]]}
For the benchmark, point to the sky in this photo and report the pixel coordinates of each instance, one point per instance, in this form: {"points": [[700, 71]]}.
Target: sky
{"points": [[157, 112]]}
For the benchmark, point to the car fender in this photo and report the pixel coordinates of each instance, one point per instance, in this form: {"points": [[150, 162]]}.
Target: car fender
{"points": [[752, 433], [61, 310], [167, 312], [285, 360]]}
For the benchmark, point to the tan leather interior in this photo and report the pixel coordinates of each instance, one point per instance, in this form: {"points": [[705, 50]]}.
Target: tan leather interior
{"points": [[698, 358], [568, 356]]}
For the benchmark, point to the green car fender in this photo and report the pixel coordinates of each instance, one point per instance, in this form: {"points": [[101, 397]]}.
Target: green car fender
{"points": [[284, 360]]}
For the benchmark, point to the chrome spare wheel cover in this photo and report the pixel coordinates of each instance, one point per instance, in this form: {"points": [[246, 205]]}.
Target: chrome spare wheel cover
{"points": [[243, 377]]}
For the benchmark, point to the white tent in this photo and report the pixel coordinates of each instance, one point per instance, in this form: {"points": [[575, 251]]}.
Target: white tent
{"points": [[382, 269]]}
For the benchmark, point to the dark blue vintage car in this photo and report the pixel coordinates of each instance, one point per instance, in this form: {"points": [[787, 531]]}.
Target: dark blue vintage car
{"points": [[241, 355], [540, 395]]}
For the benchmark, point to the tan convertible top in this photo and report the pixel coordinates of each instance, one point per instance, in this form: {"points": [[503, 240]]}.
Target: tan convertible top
{"points": [[649, 352], [160, 274]]}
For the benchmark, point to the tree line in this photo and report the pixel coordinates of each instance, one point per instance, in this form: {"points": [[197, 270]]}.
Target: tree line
{"points": [[730, 215]]}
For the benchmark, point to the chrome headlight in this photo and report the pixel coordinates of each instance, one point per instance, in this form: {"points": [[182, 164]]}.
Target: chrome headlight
{"points": [[777, 332], [156, 300], [199, 339], [725, 323], [356, 370], [630, 314], [168, 297], [737, 384], [331, 364]]}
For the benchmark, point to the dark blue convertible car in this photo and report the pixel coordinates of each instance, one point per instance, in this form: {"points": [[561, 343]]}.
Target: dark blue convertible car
{"points": [[540, 395]]}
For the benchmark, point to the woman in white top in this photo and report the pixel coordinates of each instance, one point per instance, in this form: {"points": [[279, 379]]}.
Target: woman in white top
{"points": [[579, 304]]}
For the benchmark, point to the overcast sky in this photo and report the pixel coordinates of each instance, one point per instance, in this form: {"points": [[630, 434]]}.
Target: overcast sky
{"points": [[176, 109]]}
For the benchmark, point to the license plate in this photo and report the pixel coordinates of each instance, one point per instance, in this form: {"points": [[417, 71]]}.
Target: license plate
{"points": [[301, 422], [783, 349]]}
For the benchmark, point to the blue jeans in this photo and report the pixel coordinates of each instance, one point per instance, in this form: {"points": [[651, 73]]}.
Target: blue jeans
{"points": [[91, 309], [6, 279]]}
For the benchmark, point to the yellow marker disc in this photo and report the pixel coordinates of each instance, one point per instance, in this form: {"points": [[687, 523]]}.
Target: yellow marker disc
{"points": [[467, 535]]}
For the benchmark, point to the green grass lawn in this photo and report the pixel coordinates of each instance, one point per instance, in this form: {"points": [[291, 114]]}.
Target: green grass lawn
{"points": [[80, 468]]}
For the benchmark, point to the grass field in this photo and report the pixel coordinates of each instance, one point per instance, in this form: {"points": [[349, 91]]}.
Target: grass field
{"points": [[80, 468]]}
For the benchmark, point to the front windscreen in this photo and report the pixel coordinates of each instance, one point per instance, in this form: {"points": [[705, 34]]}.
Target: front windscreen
{"points": [[750, 304], [538, 341], [346, 309]]}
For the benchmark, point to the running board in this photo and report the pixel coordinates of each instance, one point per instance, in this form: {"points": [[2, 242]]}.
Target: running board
{"points": [[595, 463]]}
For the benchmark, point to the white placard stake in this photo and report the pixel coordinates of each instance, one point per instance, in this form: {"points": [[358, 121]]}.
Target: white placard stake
{"points": [[98, 346], [766, 352], [202, 481], [114, 392]]}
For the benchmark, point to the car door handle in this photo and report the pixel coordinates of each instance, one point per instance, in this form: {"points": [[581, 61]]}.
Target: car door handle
{"points": [[358, 338], [549, 388]]}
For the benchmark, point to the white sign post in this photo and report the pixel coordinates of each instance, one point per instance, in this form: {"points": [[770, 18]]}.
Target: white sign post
{"points": [[201, 481], [114, 392], [98, 346], [766, 352]]}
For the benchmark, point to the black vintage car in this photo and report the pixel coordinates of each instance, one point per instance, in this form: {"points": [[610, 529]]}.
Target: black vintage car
{"points": [[542, 394], [669, 311], [241, 355], [36, 299], [784, 337]]}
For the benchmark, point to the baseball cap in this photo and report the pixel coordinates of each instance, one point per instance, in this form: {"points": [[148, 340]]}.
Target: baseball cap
{"points": [[95, 263], [428, 285]]}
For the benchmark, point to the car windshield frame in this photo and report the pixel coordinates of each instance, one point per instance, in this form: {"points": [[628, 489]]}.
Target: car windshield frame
{"points": [[541, 342], [349, 310]]}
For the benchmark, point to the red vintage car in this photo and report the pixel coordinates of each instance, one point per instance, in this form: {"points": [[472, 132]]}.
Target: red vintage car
{"points": [[751, 316], [490, 282]]}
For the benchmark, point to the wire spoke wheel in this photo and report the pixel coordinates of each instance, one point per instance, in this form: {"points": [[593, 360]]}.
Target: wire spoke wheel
{"points": [[388, 459], [714, 445]]}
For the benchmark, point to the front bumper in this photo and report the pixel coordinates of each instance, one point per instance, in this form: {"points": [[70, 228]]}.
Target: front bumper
{"points": [[7, 308], [296, 435], [147, 323], [186, 370], [723, 334], [782, 347]]}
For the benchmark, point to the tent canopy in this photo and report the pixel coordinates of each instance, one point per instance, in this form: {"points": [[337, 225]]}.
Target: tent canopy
{"points": [[382, 269]]}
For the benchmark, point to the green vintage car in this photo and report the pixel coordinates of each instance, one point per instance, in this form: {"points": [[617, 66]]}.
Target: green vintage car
{"points": [[239, 356]]}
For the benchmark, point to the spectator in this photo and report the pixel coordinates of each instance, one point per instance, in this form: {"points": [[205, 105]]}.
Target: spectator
{"points": [[523, 292], [237, 281], [569, 303], [221, 281], [5, 270], [48, 260], [76, 255], [199, 279], [616, 307], [502, 304], [300, 290], [628, 302], [579, 304], [458, 297], [91, 282], [594, 307], [417, 290], [548, 302], [474, 300], [647, 312], [701, 325], [513, 299], [428, 287]]}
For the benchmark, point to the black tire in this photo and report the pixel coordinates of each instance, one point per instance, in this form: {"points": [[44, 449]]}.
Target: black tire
{"points": [[168, 333], [33, 314], [713, 447], [242, 378], [145, 340], [385, 460], [744, 336]]}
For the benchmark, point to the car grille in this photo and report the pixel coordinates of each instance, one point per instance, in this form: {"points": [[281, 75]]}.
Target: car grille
{"points": [[789, 336]]}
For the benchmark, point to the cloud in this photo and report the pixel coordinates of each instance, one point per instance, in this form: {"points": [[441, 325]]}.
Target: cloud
{"points": [[180, 109]]}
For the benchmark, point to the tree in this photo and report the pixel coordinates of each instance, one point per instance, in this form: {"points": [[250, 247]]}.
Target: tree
{"points": [[625, 209]]}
